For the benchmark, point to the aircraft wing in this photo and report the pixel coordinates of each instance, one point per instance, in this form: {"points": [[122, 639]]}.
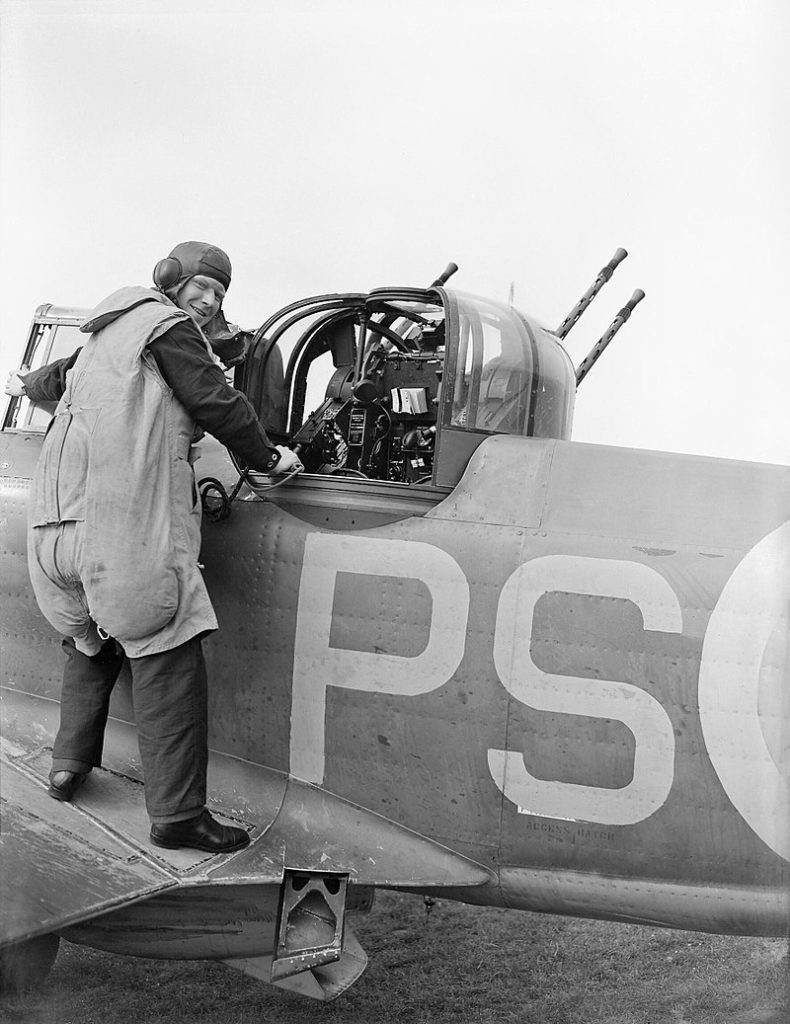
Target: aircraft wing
{"points": [[85, 870], [57, 865]]}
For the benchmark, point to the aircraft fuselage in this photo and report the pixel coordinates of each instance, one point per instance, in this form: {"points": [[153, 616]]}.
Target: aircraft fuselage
{"points": [[572, 669]]}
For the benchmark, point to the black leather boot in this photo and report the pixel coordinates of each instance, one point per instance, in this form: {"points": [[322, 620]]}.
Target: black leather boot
{"points": [[200, 833], [63, 785]]}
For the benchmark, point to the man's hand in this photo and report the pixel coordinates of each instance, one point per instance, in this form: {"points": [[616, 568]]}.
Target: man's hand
{"points": [[15, 386], [289, 461]]}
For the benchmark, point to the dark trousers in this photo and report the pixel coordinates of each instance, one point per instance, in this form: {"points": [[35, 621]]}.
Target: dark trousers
{"points": [[170, 697]]}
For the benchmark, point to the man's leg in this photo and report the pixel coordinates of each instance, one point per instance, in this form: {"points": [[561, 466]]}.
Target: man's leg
{"points": [[92, 665], [84, 706], [171, 710]]}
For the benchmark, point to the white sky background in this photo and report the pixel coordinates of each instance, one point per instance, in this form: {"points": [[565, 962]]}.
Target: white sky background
{"points": [[348, 144]]}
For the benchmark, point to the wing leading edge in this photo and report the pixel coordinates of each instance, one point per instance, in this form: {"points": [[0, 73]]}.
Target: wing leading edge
{"points": [[58, 866]]}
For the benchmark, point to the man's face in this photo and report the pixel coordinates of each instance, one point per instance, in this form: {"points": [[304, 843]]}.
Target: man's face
{"points": [[201, 297]]}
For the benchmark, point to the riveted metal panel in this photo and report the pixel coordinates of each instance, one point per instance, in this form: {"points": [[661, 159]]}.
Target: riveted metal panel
{"points": [[504, 484]]}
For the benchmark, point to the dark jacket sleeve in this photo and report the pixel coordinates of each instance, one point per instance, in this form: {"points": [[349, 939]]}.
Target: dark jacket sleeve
{"points": [[47, 383], [200, 386]]}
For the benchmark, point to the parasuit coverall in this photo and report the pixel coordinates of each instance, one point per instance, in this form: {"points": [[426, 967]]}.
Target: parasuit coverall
{"points": [[114, 536]]}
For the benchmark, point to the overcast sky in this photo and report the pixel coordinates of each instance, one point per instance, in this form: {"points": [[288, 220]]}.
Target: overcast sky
{"points": [[340, 146]]}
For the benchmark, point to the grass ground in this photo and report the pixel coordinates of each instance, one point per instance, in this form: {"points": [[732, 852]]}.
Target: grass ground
{"points": [[459, 964]]}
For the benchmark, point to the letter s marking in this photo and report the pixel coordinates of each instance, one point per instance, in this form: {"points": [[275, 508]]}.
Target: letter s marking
{"points": [[639, 711]]}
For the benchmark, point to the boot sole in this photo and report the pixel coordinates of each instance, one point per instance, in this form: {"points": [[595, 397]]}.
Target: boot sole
{"points": [[65, 795], [169, 844], [57, 794]]}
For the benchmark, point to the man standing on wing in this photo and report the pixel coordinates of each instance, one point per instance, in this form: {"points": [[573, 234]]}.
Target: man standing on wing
{"points": [[114, 531]]}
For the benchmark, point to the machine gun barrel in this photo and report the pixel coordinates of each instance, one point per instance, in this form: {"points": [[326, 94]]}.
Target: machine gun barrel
{"points": [[603, 276], [447, 273], [586, 364]]}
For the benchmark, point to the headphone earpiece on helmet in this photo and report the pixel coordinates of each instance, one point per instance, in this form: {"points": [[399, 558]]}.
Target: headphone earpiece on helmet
{"points": [[167, 273]]}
